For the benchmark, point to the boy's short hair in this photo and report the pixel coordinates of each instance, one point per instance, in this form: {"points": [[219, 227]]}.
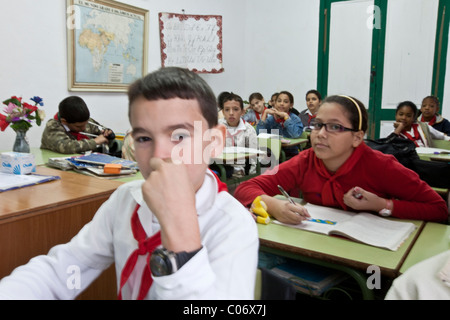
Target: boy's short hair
{"points": [[173, 82], [230, 96], [73, 109]]}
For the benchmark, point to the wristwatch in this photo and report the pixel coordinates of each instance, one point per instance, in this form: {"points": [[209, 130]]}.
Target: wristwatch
{"points": [[387, 211], [164, 262]]}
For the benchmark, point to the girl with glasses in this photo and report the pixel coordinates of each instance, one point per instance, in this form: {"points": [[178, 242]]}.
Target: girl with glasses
{"points": [[340, 170]]}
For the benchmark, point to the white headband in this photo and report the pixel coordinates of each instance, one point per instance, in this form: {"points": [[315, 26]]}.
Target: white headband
{"points": [[359, 110]]}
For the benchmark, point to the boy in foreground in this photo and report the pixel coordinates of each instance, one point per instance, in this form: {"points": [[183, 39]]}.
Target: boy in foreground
{"points": [[176, 235]]}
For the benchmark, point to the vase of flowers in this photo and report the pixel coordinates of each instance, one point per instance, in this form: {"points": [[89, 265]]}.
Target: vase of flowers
{"points": [[20, 117]]}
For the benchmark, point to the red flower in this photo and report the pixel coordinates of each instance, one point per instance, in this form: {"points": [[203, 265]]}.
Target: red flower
{"points": [[29, 107], [3, 123]]}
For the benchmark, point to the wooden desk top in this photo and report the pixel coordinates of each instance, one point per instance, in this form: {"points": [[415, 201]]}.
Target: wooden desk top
{"points": [[54, 194], [338, 250]]}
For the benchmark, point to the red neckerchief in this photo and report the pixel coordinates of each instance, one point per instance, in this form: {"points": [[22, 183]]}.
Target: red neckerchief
{"points": [[145, 247], [258, 115], [310, 118], [332, 193], [280, 121], [416, 134], [431, 122], [77, 135]]}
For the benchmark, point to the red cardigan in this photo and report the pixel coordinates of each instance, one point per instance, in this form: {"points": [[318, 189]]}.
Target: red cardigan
{"points": [[369, 169]]}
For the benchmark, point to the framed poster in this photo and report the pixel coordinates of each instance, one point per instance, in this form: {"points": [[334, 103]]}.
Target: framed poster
{"points": [[191, 41], [107, 45]]}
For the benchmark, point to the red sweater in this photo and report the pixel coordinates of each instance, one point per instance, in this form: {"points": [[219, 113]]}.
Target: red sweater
{"points": [[372, 170]]}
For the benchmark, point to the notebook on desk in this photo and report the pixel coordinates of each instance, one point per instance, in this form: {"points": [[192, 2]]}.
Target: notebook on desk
{"points": [[12, 181], [102, 159]]}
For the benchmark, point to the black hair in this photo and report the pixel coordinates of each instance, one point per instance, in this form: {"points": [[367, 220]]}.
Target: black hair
{"points": [[410, 104], [230, 96], [435, 99], [317, 93], [255, 95], [73, 109], [291, 97], [173, 82], [352, 110]]}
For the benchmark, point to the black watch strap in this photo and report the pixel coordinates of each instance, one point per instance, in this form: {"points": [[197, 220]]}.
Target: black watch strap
{"points": [[183, 257]]}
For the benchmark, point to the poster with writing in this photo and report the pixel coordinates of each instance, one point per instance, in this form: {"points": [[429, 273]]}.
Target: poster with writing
{"points": [[191, 41]]}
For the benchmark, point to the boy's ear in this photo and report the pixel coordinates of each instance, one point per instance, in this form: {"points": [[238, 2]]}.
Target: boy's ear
{"points": [[63, 121], [217, 138]]}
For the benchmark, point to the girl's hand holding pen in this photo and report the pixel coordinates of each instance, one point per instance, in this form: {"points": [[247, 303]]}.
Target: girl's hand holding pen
{"points": [[287, 212]]}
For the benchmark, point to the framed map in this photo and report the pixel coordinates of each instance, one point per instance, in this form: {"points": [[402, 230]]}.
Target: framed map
{"points": [[191, 41], [107, 45]]}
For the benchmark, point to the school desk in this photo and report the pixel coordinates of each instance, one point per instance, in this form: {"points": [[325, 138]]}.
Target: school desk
{"points": [[337, 253], [36, 218], [434, 239], [292, 142], [234, 157]]}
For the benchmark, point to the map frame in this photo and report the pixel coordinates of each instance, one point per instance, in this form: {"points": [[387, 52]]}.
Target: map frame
{"points": [[72, 26]]}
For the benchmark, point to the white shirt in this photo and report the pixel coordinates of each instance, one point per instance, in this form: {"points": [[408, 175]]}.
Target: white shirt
{"points": [[225, 268], [423, 281]]}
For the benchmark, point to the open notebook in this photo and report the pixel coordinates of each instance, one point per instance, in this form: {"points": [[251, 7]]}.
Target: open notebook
{"points": [[13, 181], [362, 227]]}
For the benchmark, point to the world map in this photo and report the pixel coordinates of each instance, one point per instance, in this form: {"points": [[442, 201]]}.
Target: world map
{"points": [[108, 46]]}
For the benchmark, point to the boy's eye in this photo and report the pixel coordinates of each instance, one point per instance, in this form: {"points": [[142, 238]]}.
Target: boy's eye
{"points": [[180, 135], [142, 139]]}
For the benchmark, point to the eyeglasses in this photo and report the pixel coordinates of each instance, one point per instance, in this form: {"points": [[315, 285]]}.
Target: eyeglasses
{"points": [[329, 127]]}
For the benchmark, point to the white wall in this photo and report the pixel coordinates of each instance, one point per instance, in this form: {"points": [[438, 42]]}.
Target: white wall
{"points": [[267, 47]]}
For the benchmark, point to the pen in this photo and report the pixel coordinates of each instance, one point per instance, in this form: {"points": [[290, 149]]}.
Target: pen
{"points": [[285, 194], [97, 125], [89, 134]]}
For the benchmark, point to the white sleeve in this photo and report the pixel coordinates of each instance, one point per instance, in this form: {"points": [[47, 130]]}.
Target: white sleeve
{"points": [[421, 281], [435, 134], [224, 269]]}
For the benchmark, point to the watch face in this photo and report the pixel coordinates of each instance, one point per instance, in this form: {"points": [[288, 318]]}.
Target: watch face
{"points": [[385, 212], [160, 264]]}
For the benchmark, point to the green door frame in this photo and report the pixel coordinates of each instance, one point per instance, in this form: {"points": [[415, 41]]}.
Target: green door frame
{"points": [[376, 113]]}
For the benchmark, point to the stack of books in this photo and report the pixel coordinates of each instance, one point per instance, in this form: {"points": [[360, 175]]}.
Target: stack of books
{"points": [[93, 164]]}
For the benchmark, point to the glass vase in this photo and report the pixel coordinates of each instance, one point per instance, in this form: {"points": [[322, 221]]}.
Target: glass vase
{"points": [[21, 143]]}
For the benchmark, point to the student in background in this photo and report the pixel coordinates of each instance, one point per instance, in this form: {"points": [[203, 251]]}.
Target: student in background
{"points": [[281, 120], [273, 100], [128, 147], [429, 114], [220, 98], [175, 235], [406, 126], [73, 131], [313, 101], [239, 132], [338, 167], [256, 109]]}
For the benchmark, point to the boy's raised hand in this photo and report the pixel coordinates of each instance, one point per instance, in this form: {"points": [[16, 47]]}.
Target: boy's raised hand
{"points": [[170, 195]]}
